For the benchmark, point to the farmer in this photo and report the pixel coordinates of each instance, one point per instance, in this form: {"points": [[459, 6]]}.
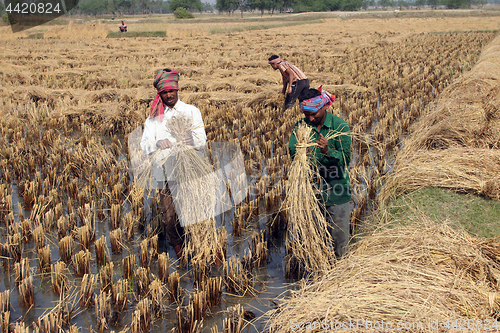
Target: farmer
{"points": [[294, 80], [167, 105], [332, 157], [123, 27]]}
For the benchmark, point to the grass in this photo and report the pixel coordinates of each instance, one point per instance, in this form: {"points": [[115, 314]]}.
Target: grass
{"points": [[36, 35], [479, 216], [137, 34]]}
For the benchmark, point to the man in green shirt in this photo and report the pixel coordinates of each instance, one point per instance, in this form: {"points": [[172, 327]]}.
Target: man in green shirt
{"points": [[332, 157]]}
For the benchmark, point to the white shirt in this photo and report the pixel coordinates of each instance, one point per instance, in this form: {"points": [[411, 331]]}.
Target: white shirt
{"points": [[154, 131]]}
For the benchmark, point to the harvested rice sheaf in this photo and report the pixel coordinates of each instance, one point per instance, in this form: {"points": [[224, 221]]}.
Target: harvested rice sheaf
{"points": [[194, 194], [307, 233], [418, 273]]}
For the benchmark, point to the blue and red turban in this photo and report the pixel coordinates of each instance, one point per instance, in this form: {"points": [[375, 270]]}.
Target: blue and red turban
{"points": [[315, 103]]}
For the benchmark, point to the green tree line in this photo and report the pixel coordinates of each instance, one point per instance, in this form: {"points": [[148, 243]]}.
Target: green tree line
{"points": [[131, 7], [118, 7], [333, 5]]}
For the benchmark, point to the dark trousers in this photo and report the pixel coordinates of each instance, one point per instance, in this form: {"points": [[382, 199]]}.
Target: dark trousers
{"points": [[173, 229], [297, 88]]}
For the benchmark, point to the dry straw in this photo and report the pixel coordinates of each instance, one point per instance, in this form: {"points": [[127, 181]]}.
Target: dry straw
{"points": [[307, 233], [26, 291], [128, 264], [233, 319], [142, 279], [101, 250], [213, 287], [21, 328], [157, 292], [106, 277], [14, 244], [237, 279], [5, 301], [163, 267], [44, 259], [81, 262], [455, 144], [195, 183], [66, 248], [4, 321], [102, 305], [258, 247], [116, 240], [120, 295], [417, 273], [174, 289], [461, 169], [199, 305], [59, 277], [141, 318], [21, 270], [186, 322], [4, 311], [144, 254], [89, 282]]}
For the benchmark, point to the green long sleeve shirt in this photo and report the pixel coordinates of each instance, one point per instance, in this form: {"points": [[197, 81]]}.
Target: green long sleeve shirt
{"points": [[333, 167]]}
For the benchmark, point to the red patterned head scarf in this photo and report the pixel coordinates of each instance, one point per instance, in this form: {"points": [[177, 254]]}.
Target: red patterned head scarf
{"points": [[164, 80]]}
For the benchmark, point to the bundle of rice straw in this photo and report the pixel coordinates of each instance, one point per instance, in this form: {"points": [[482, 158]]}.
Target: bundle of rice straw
{"points": [[142, 164], [308, 238], [456, 168], [403, 279], [193, 184]]}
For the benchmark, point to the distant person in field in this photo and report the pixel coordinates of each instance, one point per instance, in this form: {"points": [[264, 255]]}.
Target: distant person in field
{"points": [[123, 27], [294, 80], [166, 106], [332, 158]]}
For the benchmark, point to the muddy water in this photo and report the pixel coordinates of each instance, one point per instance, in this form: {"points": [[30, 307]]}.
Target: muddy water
{"points": [[269, 280]]}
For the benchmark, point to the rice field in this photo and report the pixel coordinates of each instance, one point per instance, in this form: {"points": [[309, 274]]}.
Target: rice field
{"points": [[81, 246]]}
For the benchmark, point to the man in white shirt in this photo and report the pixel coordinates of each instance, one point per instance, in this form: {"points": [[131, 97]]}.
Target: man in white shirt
{"points": [[156, 136]]}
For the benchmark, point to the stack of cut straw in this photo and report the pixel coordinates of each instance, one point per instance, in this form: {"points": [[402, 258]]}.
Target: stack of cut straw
{"points": [[417, 274], [194, 183], [308, 238]]}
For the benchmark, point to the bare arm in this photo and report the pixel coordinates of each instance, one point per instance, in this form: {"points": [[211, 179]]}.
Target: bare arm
{"points": [[285, 83], [291, 76]]}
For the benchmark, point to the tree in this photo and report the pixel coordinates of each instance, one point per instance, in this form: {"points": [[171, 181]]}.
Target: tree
{"points": [[92, 7], [244, 5], [386, 3], [401, 4], [160, 6], [420, 3], [433, 3], [145, 6], [228, 6], [207, 7], [191, 5], [123, 6], [350, 5], [260, 5], [111, 6], [182, 13]]}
